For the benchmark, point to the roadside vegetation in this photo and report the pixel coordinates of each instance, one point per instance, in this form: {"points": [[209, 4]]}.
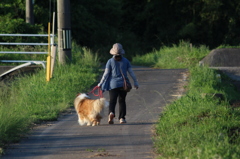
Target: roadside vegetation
{"points": [[186, 128], [29, 99], [181, 55], [202, 123]]}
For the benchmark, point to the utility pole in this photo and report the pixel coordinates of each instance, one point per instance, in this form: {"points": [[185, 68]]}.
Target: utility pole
{"points": [[29, 12], [64, 31]]}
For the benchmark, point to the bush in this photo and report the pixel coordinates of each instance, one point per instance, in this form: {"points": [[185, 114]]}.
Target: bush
{"points": [[10, 25]]}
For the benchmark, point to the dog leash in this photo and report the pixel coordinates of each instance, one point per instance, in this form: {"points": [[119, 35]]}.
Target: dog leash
{"points": [[100, 94]]}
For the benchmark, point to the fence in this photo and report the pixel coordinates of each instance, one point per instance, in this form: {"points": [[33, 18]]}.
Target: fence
{"points": [[29, 62]]}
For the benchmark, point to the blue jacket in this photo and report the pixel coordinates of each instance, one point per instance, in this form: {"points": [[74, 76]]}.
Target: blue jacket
{"points": [[112, 77]]}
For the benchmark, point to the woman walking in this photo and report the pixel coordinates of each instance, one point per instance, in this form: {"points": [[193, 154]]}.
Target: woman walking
{"points": [[113, 80]]}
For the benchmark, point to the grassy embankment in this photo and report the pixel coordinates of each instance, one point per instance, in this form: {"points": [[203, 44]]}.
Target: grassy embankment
{"points": [[30, 99], [199, 124]]}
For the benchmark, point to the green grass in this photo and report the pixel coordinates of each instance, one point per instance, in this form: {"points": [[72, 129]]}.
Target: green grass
{"points": [[198, 125], [30, 99], [183, 55]]}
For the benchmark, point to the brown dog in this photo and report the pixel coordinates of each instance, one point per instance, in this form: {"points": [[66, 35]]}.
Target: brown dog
{"points": [[90, 111]]}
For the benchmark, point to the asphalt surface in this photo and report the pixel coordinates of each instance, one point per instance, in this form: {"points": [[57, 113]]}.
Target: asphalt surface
{"points": [[65, 139]]}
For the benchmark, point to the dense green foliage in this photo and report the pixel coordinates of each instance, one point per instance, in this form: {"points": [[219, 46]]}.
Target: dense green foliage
{"points": [[139, 25], [12, 20]]}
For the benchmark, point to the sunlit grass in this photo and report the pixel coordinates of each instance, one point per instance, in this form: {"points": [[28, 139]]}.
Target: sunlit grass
{"points": [[200, 125], [30, 99], [183, 55]]}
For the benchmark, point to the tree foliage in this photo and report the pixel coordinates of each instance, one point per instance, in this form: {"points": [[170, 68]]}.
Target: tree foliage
{"points": [[140, 25], [12, 20]]}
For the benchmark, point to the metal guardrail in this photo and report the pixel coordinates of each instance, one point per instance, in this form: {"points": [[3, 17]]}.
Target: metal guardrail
{"points": [[25, 52], [26, 62], [22, 61], [46, 35], [19, 52], [23, 43]]}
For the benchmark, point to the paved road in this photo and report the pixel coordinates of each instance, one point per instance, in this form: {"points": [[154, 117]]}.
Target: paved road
{"points": [[65, 139]]}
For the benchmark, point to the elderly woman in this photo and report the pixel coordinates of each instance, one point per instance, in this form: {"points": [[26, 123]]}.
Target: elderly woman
{"points": [[113, 80]]}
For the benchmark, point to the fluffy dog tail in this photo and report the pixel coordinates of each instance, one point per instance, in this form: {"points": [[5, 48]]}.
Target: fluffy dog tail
{"points": [[80, 99]]}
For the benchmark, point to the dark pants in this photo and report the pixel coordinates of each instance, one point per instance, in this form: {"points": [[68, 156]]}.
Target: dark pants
{"points": [[121, 95]]}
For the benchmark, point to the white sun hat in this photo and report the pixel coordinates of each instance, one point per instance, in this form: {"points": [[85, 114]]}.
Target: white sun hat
{"points": [[117, 49]]}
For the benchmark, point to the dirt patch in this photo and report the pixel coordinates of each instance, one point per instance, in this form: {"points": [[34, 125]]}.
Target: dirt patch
{"points": [[103, 154], [181, 87]]}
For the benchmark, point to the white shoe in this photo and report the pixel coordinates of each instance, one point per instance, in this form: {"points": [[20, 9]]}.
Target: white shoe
{"points": [[122, 121], [110, 118]]}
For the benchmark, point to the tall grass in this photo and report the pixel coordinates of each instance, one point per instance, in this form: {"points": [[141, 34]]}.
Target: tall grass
{"points": [[183, 55], [30, 99], [200, 125]]}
